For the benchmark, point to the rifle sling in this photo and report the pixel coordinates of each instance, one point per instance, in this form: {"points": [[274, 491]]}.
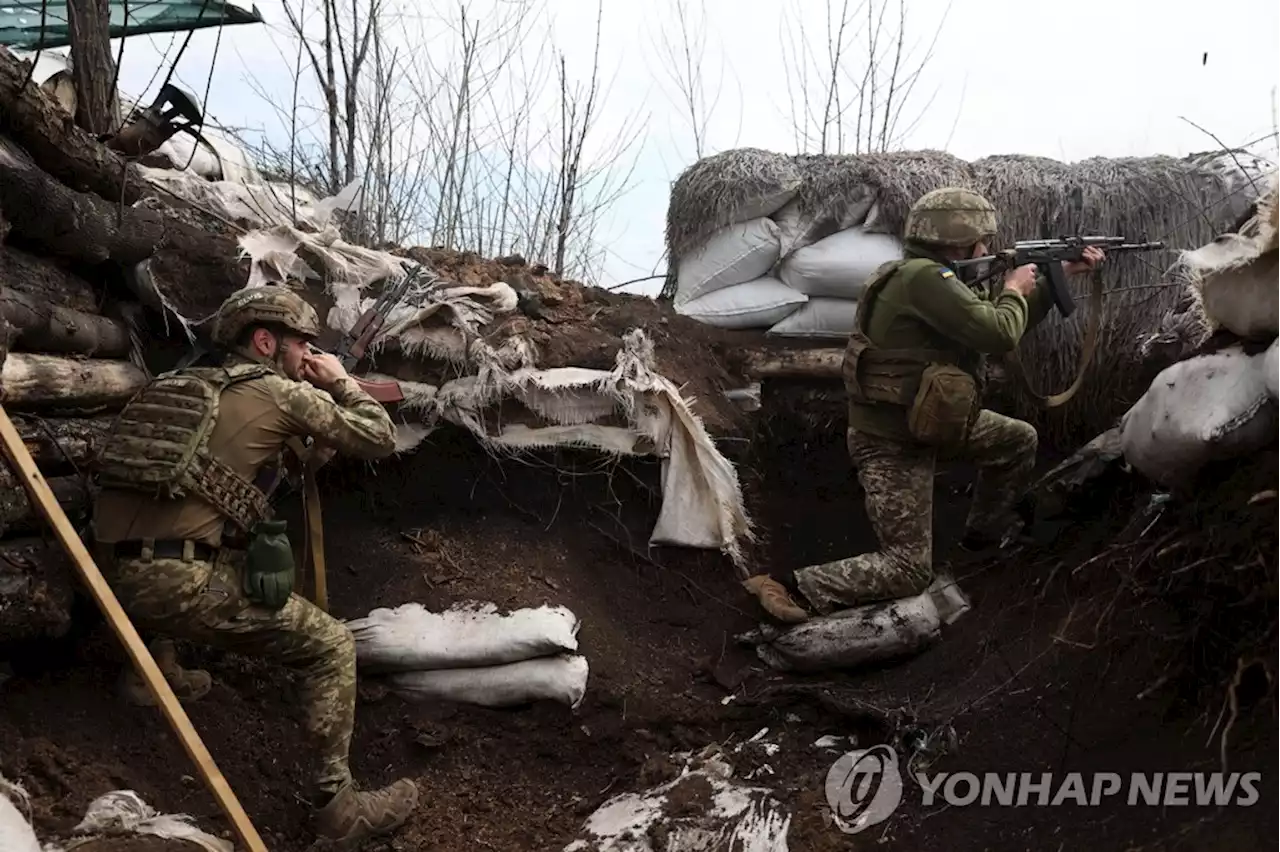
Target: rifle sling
{"points": [[1092, 327]]}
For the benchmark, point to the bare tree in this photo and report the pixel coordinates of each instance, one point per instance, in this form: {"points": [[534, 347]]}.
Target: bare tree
{"points": [[93, 70], [848, 95], [683, 55]]}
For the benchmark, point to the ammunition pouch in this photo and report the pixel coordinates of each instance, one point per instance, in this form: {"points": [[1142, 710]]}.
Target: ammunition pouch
{"points": [[940, 398]]}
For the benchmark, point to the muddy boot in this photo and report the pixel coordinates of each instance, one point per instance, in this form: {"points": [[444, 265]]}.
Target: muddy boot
{"points": [[352, 817], [187, 684], [775, 599]]}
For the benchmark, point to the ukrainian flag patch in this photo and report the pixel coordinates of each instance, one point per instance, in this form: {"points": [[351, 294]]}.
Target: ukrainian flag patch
{"points": [[947, 273]]}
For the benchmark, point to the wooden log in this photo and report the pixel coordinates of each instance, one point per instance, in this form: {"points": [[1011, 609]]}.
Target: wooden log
{"points": [[36, 589], [35, 121], [43, 327], [62, 444], [17, 515], [28, 380], [46, 279], [78, 226], [793, 363]]}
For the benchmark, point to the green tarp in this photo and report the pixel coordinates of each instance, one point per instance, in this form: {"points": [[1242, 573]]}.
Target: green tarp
{"points": [[20, 20]]}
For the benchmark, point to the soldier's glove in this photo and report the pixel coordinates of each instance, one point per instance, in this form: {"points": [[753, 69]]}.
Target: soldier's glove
{"points": [[268, 575]]}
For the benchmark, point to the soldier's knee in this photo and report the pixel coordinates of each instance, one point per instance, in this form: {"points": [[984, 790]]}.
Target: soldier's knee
{"points": [[1024, 438]]}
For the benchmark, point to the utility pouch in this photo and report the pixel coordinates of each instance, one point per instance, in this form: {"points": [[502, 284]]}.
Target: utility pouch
{"points": [[269, 566], [944, 408]]}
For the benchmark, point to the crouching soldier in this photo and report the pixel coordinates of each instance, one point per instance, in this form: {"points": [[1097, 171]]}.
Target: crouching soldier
{"points": [[185, 537], [912, 371]]}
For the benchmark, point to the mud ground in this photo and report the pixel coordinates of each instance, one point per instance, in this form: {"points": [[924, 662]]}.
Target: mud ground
{"points": [[1025, 687]]}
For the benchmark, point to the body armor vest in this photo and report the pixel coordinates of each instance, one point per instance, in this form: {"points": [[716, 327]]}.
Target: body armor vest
{"points": [[160, 444]]}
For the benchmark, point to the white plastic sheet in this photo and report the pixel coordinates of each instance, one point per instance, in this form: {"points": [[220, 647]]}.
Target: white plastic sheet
{"points": [[730, 256], [410, 637], [1207, 408], [16, 833], [562, 679]]}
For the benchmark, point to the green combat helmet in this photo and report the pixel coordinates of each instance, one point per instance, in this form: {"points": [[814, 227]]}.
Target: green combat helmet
{"points": [[950, 216], [268, 304]]}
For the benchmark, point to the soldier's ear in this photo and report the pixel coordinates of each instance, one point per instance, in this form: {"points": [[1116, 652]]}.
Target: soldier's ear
{"points": [[264, 341]]}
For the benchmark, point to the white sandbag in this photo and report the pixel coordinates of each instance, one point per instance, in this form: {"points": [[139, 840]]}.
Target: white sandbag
{"points": [[1271, 369], [755, 304], [821, 316], [701, 811], [839, 265], [1208, 408], [411, 637], [730, 256], [16, 833], [121, 813], [562, 679], [852, 637]]}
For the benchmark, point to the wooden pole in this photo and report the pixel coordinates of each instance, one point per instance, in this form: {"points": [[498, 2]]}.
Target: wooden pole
{"points": [[25, 467], [315, 534]]}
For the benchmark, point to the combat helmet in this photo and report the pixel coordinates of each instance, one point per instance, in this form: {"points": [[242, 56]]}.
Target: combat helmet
{"points": [[267, 304], [950, 216]]}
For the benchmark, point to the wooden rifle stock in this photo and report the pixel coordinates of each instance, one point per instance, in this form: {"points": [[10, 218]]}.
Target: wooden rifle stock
{"points": [[384, 392]]}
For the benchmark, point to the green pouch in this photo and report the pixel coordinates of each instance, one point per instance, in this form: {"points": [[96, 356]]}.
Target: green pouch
{"points": [[269, 568]]}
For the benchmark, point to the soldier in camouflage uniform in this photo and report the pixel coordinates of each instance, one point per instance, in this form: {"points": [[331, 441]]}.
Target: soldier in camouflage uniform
{"points": [[913, 315], [180, 535]]}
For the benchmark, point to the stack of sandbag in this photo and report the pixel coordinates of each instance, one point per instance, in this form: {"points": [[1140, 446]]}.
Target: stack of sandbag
{"points": [[472, 654], [862, 635], [65, 370]]}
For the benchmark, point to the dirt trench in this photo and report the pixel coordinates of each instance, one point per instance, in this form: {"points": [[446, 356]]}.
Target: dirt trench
{"points": [[1022, 688]]}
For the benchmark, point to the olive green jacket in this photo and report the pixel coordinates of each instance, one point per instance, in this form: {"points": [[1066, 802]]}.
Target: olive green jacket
{"points": [[931, 308]]}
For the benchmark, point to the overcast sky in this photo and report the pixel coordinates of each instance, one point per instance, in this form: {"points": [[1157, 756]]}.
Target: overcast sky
{"points": [[1068, 81]]}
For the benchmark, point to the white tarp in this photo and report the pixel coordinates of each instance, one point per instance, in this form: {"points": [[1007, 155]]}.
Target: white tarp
{"points": [[261, 204], [1207, 408]]}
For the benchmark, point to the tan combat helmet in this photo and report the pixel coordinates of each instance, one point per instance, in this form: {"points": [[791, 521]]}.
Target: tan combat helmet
{"points": [[950, 216], [269, 304]]}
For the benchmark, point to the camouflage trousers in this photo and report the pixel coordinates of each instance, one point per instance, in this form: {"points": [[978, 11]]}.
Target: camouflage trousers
{"points": [[898, 481], [202, 602]]}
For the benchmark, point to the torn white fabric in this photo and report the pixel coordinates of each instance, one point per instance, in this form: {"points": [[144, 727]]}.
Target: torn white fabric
{"points": [[261, 205], [123, 812], [411, 637], [702, 504], [715, 813]]}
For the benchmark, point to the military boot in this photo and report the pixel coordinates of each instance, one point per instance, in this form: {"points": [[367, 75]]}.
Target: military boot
{"points": [[775, 599], [351, 817], [187, 684]]}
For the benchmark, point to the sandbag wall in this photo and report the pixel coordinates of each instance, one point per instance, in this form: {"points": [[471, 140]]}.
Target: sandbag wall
{"points": [[64, 371]]}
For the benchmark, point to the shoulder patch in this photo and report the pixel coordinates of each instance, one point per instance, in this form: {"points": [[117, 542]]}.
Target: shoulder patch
{"points": [[946, 273]]}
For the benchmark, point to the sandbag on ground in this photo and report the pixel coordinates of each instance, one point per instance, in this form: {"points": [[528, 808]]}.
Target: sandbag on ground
{"points": [[754, 304], [1208, 408], [861, 635], [731, 256], [839, 265], [412, 638], [562, 679], [701, 811]]}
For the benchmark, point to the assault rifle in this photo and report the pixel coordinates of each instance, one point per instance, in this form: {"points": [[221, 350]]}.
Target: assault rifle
{"points": [[350, 347], [1048, 256]]}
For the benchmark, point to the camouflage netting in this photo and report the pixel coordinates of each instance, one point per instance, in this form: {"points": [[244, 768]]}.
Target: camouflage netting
{"points": [[1184, 202]]}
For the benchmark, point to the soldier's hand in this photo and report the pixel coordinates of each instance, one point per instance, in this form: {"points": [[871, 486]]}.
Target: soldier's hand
{"points": [[1021, 280], [1092, 257], [322, 369]]}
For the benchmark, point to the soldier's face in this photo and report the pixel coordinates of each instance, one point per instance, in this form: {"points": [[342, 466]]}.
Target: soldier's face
{"points": [[293, 351]]}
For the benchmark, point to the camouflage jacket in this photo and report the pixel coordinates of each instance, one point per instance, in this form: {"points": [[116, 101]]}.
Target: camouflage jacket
{"points": [[933, 309]]}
